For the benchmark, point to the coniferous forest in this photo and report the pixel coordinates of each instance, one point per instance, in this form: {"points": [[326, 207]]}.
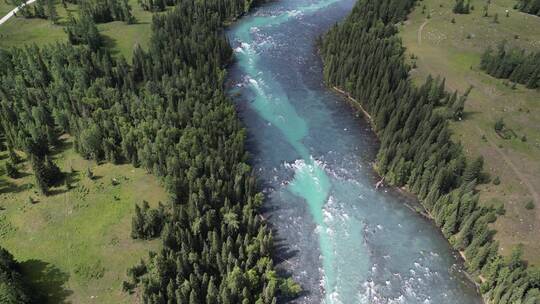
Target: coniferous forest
{"points": [[12, 288], [514, 64], [167, 112], [365, 57], [529, 6]]}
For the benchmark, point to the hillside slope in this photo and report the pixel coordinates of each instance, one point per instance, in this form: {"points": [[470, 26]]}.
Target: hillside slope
{"points": [[453, 51]]}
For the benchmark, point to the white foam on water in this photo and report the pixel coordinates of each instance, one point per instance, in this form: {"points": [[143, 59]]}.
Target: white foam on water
{"points": [[245, 45], [332, 298], [254, 82], [294, 13], [328, 217], [398, 300], [330, 233], [372, 294], [318, 229]]}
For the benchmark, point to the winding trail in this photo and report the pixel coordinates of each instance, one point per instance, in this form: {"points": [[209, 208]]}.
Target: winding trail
{"points": [[14, 11], [510, 164], [420, 29]]}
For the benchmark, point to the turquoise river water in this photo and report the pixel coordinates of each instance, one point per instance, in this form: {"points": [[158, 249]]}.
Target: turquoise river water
{"points": [[342, 239]]}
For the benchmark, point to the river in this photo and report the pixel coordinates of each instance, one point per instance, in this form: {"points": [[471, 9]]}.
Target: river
{"points": [[342, 239]]}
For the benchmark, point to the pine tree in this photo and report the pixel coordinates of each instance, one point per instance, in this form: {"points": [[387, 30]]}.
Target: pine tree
{"points": [[212, 293], [11, 170], [40, 174], [51, 11], [39, 9], [473, 170]]}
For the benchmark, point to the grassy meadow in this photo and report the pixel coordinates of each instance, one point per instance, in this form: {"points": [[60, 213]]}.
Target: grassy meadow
{"points": [[452, 49], [119, 37], [75, 245]]}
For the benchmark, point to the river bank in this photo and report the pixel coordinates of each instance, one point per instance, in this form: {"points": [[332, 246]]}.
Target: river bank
{"points": [[418, 207], [343, 240]]}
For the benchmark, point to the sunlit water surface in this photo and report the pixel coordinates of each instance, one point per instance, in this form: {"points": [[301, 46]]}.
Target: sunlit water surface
{"points": [[342, 239]]}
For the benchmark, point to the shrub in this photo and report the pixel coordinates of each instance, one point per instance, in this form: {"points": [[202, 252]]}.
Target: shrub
{"points": [[500, 209], [529, 205], [499, 125], [496, 180], [89, 173], [11, 170]]}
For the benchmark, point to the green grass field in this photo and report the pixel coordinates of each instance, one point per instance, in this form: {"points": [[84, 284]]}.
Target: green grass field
{"points": [[119, 36], [5, 8], [453, 51], [75, 245]]}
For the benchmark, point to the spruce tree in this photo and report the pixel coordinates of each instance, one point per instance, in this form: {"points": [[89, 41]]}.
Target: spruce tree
{"points": [[40, 174], [11, 170], [39, 9], [473, 170], [51, 11]]}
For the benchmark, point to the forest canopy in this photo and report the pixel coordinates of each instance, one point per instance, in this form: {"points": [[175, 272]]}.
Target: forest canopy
{"points": [[511, 63]]}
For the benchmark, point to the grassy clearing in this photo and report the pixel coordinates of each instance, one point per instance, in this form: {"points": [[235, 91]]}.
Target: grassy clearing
{"points": [[119, 36], [453, 51], [5, 8], [75, 245]]}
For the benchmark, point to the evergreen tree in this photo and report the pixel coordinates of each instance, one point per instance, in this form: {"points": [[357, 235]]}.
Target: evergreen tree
{"points": [[461, 7], [529, 6], [40, 174], [473, 170], [51, 11], [39, 9], [12, 288], [11, 170]]}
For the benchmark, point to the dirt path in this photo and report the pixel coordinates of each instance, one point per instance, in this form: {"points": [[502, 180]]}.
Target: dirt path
{"points": [[14, 11], [510, 164], [420, 29]]}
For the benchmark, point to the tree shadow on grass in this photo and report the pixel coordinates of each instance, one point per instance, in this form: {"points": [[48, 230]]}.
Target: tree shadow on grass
{"points": [[46, 281], [110, 44], [469, 114], [61, 146], [9, 187]]}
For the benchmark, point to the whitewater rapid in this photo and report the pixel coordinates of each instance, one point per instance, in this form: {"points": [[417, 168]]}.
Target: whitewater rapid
{"points": [[342, 239]]}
